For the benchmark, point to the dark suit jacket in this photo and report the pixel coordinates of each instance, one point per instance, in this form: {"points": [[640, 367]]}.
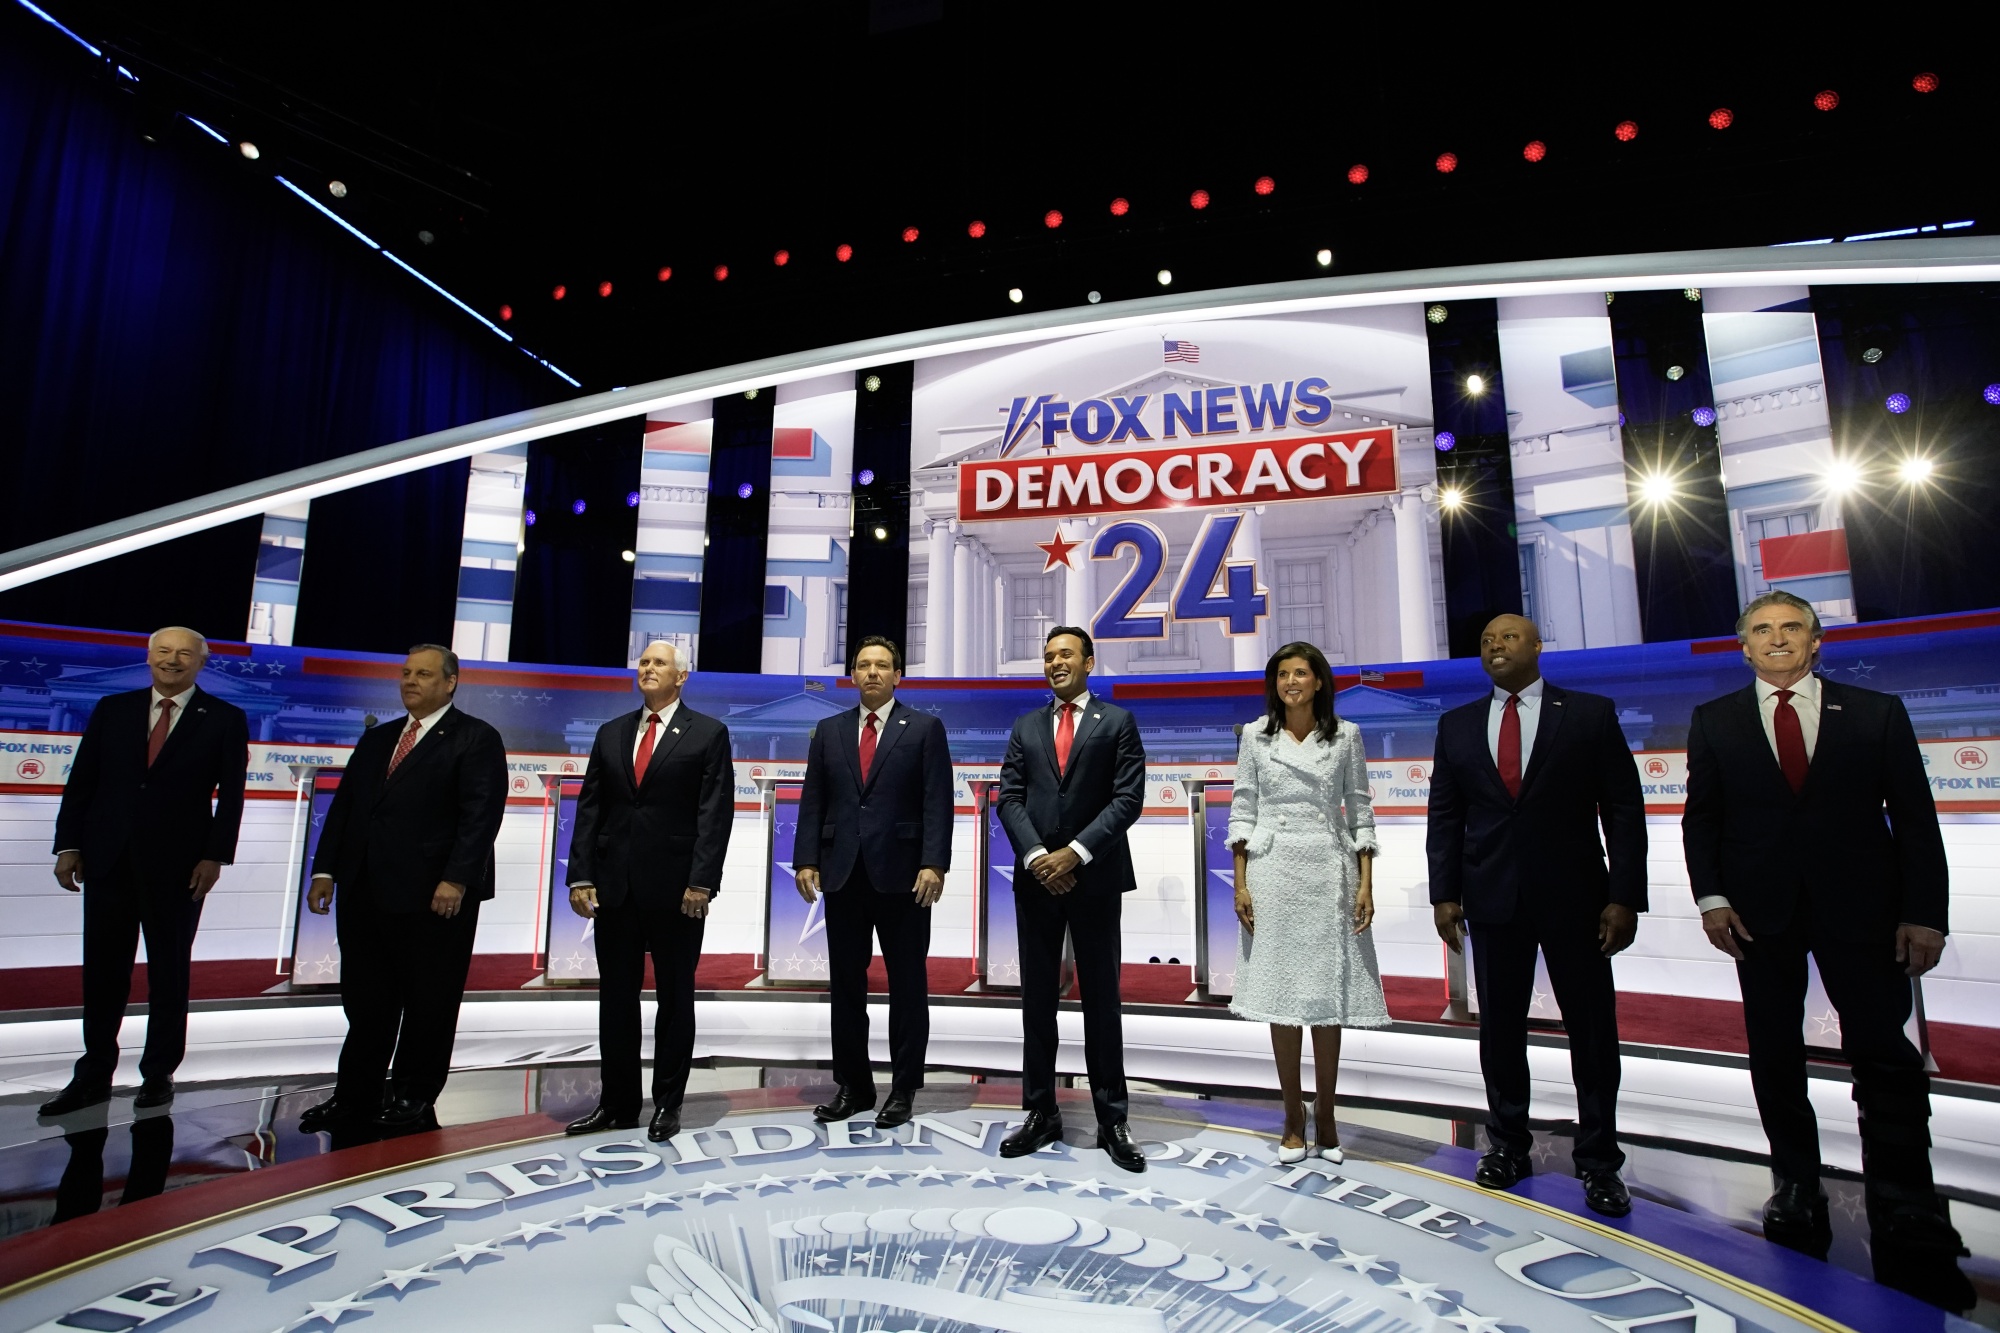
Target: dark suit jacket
{"points": [[396, 837], [1749, 838], [113, 804], [1496, 856], [1094, 802], [895, 823], [667, 834]]}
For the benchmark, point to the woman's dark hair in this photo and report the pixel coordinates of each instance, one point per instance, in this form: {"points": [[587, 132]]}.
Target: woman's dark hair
{"points": [[1274, 707]]}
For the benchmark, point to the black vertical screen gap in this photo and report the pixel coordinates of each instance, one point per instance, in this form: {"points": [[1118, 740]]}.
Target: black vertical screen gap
{"points": [[739, 522], [202, 581], [1681, 547], [1930, 547], [1482, 563], [573, 586], [381, 562], [878, 568]]}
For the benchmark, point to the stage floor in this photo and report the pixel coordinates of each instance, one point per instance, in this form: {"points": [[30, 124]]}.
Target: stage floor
{"points": [[773, 1219]]}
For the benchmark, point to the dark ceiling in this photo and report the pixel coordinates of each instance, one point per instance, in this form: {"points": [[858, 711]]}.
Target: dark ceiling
{"points": [[581, 143]]}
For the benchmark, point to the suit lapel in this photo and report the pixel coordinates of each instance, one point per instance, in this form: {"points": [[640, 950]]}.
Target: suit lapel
{"points": [[847, 742], [427, 744], [1832, 729], [628, 740], [1489, 771], [1309, 758], [192, 712], [1750, 721], [893, 728], [663, 745], [1086, 722], [1546, 727]]}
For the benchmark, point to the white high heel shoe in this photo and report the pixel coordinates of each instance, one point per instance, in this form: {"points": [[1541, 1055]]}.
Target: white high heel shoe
{"points": [[1287, 1156], [1333, 1154]]}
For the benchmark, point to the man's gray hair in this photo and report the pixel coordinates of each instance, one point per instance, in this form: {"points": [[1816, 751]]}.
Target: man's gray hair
{"points": [[1776, 597], [154, 637], [679, 658], [450, 657]]}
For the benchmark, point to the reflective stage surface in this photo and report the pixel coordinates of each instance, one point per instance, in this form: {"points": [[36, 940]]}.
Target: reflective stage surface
{"points": [[756, 1219]]}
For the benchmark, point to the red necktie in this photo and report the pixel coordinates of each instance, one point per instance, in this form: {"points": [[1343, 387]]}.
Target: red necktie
{"points": [[1510, 747], [867, 746], [1065, 733], [405, 745], [158, 740], [645, 755], [1791, 741]]}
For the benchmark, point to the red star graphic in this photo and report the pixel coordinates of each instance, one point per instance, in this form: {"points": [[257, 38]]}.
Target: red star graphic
{"points": [[1057, 550]]}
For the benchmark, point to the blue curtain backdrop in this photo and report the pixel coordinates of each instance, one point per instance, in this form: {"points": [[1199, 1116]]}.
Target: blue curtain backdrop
{"points": [[172, 321]]}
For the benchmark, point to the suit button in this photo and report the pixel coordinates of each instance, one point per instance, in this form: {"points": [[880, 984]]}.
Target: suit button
{"points": [[864, 805]]}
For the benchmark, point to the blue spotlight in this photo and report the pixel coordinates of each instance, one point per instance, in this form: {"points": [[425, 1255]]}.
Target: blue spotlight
{"points": [[1446, 441], [1897, 403], [1704, 416]]}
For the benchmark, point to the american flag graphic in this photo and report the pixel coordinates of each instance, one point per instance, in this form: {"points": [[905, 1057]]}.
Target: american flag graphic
{"points": [[1177, 350]]}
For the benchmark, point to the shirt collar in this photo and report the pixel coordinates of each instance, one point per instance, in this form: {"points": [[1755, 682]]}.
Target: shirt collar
{"points": [[882, 713], [179, 700], [1530, 691], [426, 723], [1082, 702], [1806, 688]]}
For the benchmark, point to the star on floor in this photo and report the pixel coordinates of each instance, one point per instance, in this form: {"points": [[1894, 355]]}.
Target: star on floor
{"points": [[1470, 1322], [400, 1278], [981, 1177], [928, 1173], [875, 1173], [1033, 1180], [1089, 1186], [1142, 1195], [769, 1181], [1359, 1263], [593, 1213], [330, 1312], [823, 1177], [713, 1187], [529, 1230], [463, 1255], [1418, 1292], [1249, 1221], [1305, 1240], [1197, 1207], [652, 1199]]}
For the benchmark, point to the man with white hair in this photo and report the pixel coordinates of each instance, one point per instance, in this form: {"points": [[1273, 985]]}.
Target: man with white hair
{"points": [[1810, 830], [148, 819], [652, 826]]}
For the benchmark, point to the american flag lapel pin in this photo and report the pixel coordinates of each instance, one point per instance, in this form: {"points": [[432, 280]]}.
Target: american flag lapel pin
{"points": [[677, 731], [1833, 708]]}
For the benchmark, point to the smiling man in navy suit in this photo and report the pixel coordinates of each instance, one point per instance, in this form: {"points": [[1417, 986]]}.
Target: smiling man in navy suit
{"points": [[1520, 782], [138, 835], [1810, 829], [1072, 784], [652, 826], [875, 814]]}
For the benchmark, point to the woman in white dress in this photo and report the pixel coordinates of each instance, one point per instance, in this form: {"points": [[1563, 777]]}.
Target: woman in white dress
{"points": [[1303, 830]]}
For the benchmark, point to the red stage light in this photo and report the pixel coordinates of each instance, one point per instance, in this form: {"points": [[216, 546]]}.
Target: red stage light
{"points": [[1925, 83], [1119, 208], [1535, 151], [976, 229], [1356, 174], [1447, 162], [1198, 200], [1052, 219], [665, 273], [1826, 99], [506, 313], [909, 235], [604, 289], [560, 292], [843, 253], [782, 258], [722, 272], [1721, 118], [1264, 185], [1626, 130]]}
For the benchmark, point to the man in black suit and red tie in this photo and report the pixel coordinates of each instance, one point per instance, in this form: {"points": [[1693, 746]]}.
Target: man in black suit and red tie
{"points": [[875, 815], [1072, 783], [408, 846], [148, 819], [1810, 829], [1521, 781], [652, 826]]}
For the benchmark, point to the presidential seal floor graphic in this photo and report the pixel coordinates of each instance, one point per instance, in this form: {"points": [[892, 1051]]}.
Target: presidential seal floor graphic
{"points": [[766, 1222]]}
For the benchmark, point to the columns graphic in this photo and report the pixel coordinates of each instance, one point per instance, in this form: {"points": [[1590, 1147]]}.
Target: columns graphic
{"points": [[938, 601], [963, 614], [1079, 602], [1413, 579]]}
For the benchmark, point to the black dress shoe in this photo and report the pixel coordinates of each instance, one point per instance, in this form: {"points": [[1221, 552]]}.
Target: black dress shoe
{"points": [[401, 1113], [154, 1092], [846, 1102], [1037, 1132], [1605, 1193], [76, 1097], [602, 1118], [1117, 1141], [325, 1116], [1796, 1218], [666, 1123], [895, 1111], [1916, 1250], [1499, 1170]]}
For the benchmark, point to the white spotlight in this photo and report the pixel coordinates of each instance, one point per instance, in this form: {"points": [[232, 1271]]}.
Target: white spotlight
{"points": [[1657, 488], [1325, 258], [248, 150], [1842, 477], [629, 556], [1475, 385], [1451, 497], [338, 189], [1916, 470], [881, 534], [1095, 297], [1165, 276], [1014, 295]]}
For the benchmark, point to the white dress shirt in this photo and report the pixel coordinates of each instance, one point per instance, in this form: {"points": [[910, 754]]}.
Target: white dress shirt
{"points": [[1531, 721], [1082, 705], [1805, 703], [180, 702], [881, 716], [666, 720]]}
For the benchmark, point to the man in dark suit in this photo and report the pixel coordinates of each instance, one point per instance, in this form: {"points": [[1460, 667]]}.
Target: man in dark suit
{"points": [[1520, 782], [1810, 829], [1073, 781], [875, 813], [408, 841], [652, 827], [137, 833]]}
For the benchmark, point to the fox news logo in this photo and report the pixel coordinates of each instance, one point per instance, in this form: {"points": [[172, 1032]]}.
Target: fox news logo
{"points": [[1223, 410]]}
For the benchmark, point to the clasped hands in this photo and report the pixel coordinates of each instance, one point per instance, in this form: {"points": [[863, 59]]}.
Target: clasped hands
{"points": [[69, 874], [927, 890], [1056, 871]]}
